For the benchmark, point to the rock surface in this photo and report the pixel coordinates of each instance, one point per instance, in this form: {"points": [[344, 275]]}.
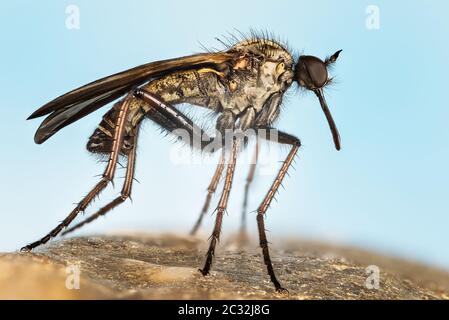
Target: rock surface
{"points": [[166, 267]]}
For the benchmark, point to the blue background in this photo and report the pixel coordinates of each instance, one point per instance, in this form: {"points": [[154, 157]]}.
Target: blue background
{"points": [[386, 190]]}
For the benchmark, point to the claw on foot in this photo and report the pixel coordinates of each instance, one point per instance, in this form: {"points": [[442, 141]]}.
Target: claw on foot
{"points": [[204, 273], [282, 291]]}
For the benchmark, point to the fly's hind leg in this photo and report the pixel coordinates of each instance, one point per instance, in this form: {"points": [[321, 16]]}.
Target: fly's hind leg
{"points": [[164, 114], [107, 177], [126, 189]]}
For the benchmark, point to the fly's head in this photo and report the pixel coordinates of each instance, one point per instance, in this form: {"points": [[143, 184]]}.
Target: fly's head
{"points": [[312, 74]]}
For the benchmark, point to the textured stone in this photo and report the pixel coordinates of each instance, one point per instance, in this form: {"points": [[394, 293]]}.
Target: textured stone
{"points": [[166, 267]]}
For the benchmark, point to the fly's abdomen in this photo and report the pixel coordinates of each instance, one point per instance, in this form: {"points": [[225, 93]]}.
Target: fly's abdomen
{"points": [[191, 86], [101, 140]]}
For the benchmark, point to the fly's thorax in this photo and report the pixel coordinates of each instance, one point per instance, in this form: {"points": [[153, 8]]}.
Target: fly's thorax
{"points": [[259, 71], [267, 79], [263, 68], [265, 48]]}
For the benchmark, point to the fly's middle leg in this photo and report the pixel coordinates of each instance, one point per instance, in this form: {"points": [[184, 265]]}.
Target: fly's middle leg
{"points": [[222, 205], [210, 192]]}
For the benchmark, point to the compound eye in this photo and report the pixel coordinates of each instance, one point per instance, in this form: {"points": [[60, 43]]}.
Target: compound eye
{"points": [[317, 71]]}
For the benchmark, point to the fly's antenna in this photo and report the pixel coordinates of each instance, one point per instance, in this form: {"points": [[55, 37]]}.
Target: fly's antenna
{"points": [[330, 60]]}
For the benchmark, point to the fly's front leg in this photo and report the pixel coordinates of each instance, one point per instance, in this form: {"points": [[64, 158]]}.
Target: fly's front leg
{"points": [[124, 194], [108, 176], [283, 138], [210, 191]]}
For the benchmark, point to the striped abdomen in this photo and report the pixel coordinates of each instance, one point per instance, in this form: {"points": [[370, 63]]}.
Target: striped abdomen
{"points": [[101, 140]]}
